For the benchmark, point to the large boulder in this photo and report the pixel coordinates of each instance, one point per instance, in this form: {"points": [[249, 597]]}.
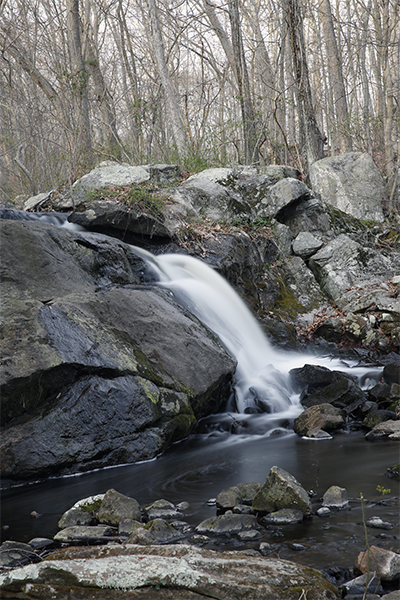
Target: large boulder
{"points": [[109, 175], [281, 490], [321, 416], [343, 263], [235, 192], [352, 183], [180, 572], [100, 370], [385, 563]]}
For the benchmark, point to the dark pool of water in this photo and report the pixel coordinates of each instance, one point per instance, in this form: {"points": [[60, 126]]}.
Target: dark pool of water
{"points": [[199, 468]]}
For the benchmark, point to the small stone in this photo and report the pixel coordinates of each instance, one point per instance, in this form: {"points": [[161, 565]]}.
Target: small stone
{"points": [[128, 526], [377, 523], [317, 434], [182, 506], [265, 548], [162, 509], [242, 509], [229, 498], [297, 547], [335, 497], [285, 516], [248, 536], [142, 537], [39, 543], [34, 514], [324, 511], [211, 501], [162, 531]]}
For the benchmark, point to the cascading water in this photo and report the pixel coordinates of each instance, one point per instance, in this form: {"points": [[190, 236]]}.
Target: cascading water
{"points": [[259, 386], [262, 375]]}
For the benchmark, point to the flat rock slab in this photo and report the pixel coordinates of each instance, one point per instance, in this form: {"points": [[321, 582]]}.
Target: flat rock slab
{"points": [[114, 571]]}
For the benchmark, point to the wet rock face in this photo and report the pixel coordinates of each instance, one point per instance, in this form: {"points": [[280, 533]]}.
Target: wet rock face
{"points": [[101, 370], [322, 416]]}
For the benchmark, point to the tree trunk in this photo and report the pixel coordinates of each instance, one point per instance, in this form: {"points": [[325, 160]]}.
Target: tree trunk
{"points": [[79, 80], [311, 141], [242, 77], [336, 78], [175, 115]]}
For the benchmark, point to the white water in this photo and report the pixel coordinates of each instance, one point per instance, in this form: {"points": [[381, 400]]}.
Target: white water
{"points": [[261, 381]]}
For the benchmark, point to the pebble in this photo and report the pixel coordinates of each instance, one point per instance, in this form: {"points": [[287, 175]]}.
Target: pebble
{"points": [[377, 523]]}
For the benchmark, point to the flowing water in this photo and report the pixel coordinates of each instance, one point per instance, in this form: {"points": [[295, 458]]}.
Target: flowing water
{"points": [[261, 413]]}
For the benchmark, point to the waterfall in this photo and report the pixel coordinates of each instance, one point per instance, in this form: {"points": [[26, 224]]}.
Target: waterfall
{"points": [[261, 380]]}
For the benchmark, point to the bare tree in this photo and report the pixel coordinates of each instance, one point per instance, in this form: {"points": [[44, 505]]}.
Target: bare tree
{"points": [[336, 81], [311, 141], [79, 80], [174, 112]]}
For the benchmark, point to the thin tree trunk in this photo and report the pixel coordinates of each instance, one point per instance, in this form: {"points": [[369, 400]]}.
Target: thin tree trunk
{"points": [[336, 77], [311, 141], [242, 77], [175, 115], [79, 78]]}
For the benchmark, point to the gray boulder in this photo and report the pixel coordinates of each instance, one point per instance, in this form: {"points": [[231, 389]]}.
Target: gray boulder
{"points": [[116, 506], [83, 374], [109, 175], [322, 416], [385, 563], [387, 429], [179, 572], [352, 183], [343, 263], [227, 524], [281, 490], [335, 497], [75, 516]]}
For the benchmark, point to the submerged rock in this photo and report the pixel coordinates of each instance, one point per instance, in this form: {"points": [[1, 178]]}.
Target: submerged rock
{"points": [[286, 516]]}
